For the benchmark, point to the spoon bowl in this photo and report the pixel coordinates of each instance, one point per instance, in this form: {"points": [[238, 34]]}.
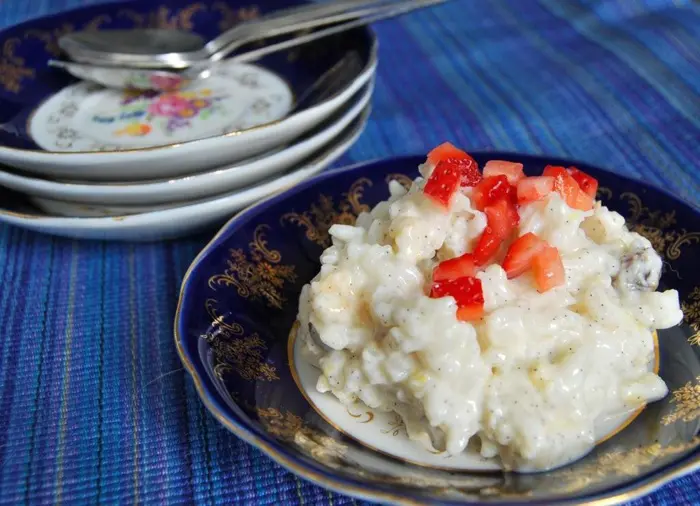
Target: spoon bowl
{"points": [[146, 42]]}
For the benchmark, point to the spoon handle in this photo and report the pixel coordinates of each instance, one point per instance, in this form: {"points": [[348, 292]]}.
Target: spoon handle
{"points": [[405, 7], [278, 21]]}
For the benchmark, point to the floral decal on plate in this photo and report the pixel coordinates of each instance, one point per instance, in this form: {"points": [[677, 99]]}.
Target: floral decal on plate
{"points": [[167, 82], [165, 112], [112, 119]]}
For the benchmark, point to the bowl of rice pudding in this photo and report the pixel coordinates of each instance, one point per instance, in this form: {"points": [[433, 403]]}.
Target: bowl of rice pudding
{"points": [[491, 305], [455, 328]]}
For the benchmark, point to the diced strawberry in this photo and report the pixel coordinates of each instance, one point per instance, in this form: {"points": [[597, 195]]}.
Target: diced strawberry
{"points": [[531, 189], [470, 302], [439, 289], [443, 184], [464, 290], [491, 190], [587, 183], [487, 247], [470, 172], [520, 254], [513, 215], [444, 151], [471, 312], [502, 217], [567, 187], [467, 166], [455, 268], [513, 171], [468, 294], [581, 200], [554, 170], [548, 269], [469, 291]]}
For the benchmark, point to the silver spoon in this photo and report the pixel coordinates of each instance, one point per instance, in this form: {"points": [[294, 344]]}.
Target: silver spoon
{"points": [[163, 80], [175, 49]]}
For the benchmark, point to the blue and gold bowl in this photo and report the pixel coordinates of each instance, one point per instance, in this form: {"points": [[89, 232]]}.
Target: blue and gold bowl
{"points": [[239, 303]]}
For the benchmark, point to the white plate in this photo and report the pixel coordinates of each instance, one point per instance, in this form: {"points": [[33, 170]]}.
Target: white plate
{"points": [[178, 159], [87, 117], [180, 221], [103, 198]]}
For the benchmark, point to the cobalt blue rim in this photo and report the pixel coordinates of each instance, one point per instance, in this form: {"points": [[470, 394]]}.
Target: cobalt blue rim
{"points": [[308, 469], [26, 47]]}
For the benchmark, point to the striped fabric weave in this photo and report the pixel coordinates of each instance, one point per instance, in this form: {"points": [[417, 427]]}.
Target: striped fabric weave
{"points": [[94, 405]]}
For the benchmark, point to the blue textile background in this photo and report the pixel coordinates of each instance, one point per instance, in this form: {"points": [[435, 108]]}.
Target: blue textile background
{"points": [[94, 405]]}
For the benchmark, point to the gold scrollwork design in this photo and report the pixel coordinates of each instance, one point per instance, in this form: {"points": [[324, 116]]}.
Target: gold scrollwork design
{"points": [[256, 275], [283, 425], [50, 37], [290, 427], [691, 313], [259, 246], [604, 193], [164, 17], [240, 353], [231, 16], [319, 218], [218, 320], [617, 463], [13, 70], [658, 227], [183, 18], [686, 402], [674, 250], [369, 414], [396, 426]]}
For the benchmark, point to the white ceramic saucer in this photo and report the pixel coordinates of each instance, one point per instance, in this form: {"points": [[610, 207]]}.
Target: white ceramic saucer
{"points": [[87, 117], [178, 221], [129, 198], [173, 160]]}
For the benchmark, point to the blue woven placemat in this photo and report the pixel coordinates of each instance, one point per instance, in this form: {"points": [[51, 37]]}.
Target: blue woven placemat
{"points": [[94, 406]]}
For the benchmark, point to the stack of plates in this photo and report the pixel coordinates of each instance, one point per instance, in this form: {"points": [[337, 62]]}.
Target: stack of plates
{"points": [[84, 161]]}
